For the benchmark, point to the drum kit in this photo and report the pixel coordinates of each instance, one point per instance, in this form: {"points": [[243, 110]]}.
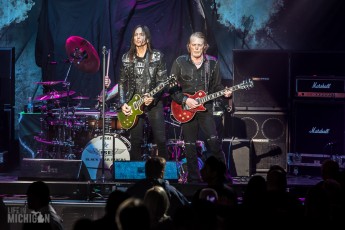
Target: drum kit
{"points": [[68, 132]]}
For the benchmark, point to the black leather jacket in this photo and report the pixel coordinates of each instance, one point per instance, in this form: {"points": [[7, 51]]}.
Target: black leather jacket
{"points": [[191, 79], [152, 76]]}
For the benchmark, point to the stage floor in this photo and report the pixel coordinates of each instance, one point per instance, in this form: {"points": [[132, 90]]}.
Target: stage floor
{"points": [[12, 186]]}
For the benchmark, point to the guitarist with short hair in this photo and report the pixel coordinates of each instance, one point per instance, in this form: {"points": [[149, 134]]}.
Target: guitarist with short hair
{"points": [[197, 71], [143, 68]]}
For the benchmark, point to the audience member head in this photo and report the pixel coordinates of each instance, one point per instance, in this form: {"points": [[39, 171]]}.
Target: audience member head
{"points": [[255, 193], [213, 171], [276, 179], [330, 169], [114, 200], [155, 167], [38, 195], [132, 214], [157, 202]]}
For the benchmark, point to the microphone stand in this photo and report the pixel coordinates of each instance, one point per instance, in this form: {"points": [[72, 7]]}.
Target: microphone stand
{"points": [[105, 52]]}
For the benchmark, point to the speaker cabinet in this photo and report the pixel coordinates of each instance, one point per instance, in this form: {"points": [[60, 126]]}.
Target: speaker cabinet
{"points": [[7, 73], [317, 64], [268, 132], [7, 70], [270, 70], [318, 127], [51, 169]]}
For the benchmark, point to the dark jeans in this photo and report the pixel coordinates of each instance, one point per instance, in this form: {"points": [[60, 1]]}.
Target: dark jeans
{"points": [[155, 117], [205, 121]]}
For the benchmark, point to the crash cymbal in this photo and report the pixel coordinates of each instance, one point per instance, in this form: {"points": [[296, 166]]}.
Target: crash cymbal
{"points": [[49, 82], [82, 54], [54, 95], [80, 98]]}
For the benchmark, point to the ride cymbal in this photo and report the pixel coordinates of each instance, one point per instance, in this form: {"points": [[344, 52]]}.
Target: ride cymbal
{"points": [[49, 82], [54, 95], [80, 98], [82, 54]]}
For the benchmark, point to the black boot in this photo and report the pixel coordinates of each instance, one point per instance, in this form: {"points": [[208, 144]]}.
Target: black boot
{"points": [[192, 164]]}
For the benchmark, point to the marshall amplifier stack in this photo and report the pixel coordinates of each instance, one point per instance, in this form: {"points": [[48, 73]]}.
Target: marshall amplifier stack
{"points": [[320, 87], [318, 118]]}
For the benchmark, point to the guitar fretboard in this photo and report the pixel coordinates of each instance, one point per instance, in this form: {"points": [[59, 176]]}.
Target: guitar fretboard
{"points": [[217, 94], [138, 103]]}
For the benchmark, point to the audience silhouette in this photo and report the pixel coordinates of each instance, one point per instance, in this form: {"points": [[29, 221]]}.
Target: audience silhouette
{"points": [[38, 201], [154, 172], [113, 202]]}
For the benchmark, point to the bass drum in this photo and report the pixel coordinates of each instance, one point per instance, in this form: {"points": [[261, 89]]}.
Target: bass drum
{"points": [[113, 145]]}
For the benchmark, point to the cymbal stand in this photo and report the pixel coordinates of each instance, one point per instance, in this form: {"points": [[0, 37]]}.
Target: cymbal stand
{"points": [[65, 114]]}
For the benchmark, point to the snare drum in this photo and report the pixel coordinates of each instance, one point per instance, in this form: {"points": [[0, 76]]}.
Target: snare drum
{"points": [[92, 154], [111, 123]]}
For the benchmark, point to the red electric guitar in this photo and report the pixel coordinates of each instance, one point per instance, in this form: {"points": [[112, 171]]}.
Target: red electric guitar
{"points": [[183, 114]]}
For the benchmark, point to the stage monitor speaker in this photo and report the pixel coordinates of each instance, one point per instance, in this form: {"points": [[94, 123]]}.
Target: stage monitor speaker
{"points": [[268, 132], [318, 127], [51, 169], [238, 157], [270, 71], [135, 170]]}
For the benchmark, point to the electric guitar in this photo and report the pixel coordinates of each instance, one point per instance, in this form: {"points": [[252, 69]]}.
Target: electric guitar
{"points": [[184, 114], [137, 101]]}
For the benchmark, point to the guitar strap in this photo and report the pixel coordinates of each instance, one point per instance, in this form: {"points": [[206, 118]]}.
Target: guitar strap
{"points": [[207, 74]]}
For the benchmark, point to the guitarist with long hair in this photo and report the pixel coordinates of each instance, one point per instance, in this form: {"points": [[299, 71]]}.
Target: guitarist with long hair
{"points": [[143, 69], [195, 72]]}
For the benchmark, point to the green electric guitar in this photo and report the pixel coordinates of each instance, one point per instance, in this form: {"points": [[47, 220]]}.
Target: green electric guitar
{"points": [[137, 102]]}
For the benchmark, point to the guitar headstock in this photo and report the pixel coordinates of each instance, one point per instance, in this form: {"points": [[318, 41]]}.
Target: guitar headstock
{"points": [[246, 84]]}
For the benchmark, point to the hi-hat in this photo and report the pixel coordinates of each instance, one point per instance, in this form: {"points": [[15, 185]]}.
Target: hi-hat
{"points": [[54, 95], [49, 82], [82, 54]]}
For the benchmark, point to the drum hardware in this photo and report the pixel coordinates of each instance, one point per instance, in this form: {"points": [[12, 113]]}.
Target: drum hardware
{"points": [[176, 148]]}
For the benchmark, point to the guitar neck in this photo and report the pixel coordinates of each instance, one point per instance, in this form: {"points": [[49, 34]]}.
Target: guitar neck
{"points": [[217, 94], [151, 94]]}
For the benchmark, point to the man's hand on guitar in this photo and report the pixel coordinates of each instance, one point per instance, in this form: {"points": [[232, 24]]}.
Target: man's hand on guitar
{"points": [[107, 81], [147, 100], [191, 103], [227, 92], [127, 110]]}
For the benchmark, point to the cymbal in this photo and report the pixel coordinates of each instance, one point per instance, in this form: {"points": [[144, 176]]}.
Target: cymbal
{"points": [[80, 98], [54, 95], [49, 82], [82, 54]]}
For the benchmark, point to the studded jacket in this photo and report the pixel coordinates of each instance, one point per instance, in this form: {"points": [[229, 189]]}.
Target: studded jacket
{"points": [[153, 74]]}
